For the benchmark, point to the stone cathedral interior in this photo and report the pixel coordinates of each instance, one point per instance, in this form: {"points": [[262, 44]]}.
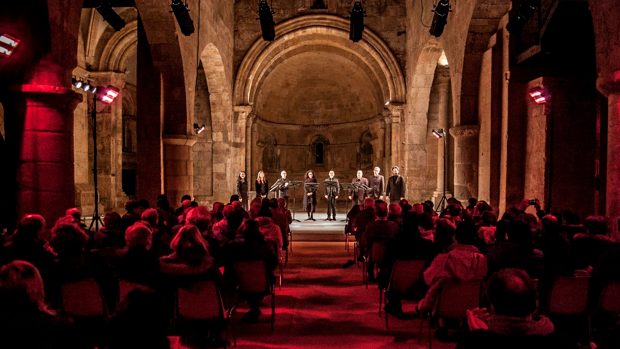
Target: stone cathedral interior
{"points": [[508, 100]]}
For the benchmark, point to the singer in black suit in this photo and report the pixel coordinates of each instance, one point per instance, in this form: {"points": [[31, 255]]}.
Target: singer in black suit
{"points": [[283, 187], [331, 194], [376, 182], [396, 186], [358, 196]]}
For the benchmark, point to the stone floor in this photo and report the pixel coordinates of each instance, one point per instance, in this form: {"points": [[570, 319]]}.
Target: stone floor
{"points": [[322, 305]]}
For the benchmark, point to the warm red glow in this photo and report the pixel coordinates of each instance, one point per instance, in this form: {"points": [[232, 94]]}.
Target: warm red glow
{"points": [[108, 94], [539, 96], [8, 45]]}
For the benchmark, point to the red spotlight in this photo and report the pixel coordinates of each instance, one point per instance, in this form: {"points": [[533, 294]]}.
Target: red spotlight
{"points": [[540, 95], [8, 45], [108, 94]]}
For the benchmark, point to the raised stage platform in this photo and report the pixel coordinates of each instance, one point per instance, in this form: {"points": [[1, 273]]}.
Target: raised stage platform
{"points": [[319, 230]]}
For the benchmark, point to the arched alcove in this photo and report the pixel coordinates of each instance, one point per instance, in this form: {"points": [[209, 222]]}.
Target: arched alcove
{"points": [[203, 149]]}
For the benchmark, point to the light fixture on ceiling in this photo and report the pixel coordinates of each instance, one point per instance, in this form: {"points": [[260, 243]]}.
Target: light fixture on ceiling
{"points": [[108, 14], [523, 14], [440, 19], [540, 95], [8, 45], [267, 25], [181, 12], [199, 128], [357, 22]]}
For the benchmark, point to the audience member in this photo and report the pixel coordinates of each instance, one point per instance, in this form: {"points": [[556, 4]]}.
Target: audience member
{"points": [[517, 252], [363, 218], [186, 200], [282, 218], [268, 228], [112, 233], [586, 248], [381, 231], [395, 214], [160, 245]]}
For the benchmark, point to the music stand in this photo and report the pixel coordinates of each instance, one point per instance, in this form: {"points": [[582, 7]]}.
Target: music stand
{"points": [[294, 184], [274, 187], [349, 187], [314, 186], [331, 184]]}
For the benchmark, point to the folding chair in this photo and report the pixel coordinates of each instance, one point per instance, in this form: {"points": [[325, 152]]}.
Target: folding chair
{"points": [[376, 256], [124, 287], [274, 248], [253, 277], [83, 298], [405, 279], [609, 301], [568, 296], [203, 301], [454, 298]]}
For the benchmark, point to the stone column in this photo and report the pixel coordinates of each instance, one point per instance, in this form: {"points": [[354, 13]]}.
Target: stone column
{"points": [[396, 111], [387, 159], [248, 150], [178, 166], [465, 161], [610, 86], [39, 149], [443, 88], [110, 143]]}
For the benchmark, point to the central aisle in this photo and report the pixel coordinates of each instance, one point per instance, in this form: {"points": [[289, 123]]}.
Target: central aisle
{"points": [[322, 305]]}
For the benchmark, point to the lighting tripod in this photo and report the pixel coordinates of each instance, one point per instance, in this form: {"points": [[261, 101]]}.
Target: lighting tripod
{"points": [[441, 133]]}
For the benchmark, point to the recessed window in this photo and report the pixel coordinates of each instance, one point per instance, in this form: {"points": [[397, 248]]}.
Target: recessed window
{"points": [[319, 153]]}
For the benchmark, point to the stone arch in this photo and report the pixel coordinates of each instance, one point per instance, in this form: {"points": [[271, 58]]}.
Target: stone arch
{"points": [[203, 149], [119, 49], [484, 23], [326, 31], [312, 155]]}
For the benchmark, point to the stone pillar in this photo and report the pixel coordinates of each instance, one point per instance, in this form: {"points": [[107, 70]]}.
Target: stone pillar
{"points": [[39, 149], [503, 167], [396, 111], [443, 88], [248, 150], [240, 138], [178, 166], [465, 161], [110, 143], [610, 86], [387, 134]]}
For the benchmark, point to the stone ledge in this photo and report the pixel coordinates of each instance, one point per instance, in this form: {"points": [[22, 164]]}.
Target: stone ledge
{"points": [[465, 131]]}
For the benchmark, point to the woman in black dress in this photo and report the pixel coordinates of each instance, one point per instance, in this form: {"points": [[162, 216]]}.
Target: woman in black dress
{"points": [[310, 197], [262, 185], [242, 190]]}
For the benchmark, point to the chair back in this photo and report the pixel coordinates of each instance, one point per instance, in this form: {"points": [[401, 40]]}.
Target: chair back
{"points": [[378, 251], [200, 300], [455, 297], [568, 296], [124, 287], [406, 276], [82, 298], [251, 276], [609, 301]]}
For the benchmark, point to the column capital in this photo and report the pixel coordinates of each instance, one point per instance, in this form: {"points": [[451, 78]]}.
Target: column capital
{"points": [[49, 95], [395, 111], [104, 78], [465, 131], [244, 110], [179, 140], [608, 84]]}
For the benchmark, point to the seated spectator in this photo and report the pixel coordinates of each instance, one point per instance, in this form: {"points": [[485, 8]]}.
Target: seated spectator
{"points": [[427, 226], [199, 216], [381, 230], [395, 214], [30, 243], [471, 206], [418, 208], [77, 217], [348, 229], [227, 233], [444, 235], [365, 217], [269, 229], [160, 245], [511, 324], [136, 263], [517, 252], [429, 207], [26, 321], [217, 228], [186, 200], [408, 244], [166, 216], [141, 321], [112, 233], [588, 247], [455, 211], [282, 218], [134, 213], [250, 246], [217, 214], [555, 249], [461, 261]]}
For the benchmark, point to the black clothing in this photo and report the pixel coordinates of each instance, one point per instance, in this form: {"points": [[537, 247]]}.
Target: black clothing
{"points": [[331, 193], [483, 339], [310, 200], [138, 265], [262, 189], [283, 187], [365, 217], [377, 186], [359, 195], [242, 191], [406, 245], [396, 188], [506, 254], [30, 328]]}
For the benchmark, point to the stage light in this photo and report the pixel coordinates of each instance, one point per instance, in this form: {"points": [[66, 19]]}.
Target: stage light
{"points": [[438, 133], [181, 12], [267, 25], [357, 22], [199, 128], [108, 94], [387, 103], [86, 87], [108, 14], [442, 8], [8, 45], [523, 14], [76, 83], [540, 95]]}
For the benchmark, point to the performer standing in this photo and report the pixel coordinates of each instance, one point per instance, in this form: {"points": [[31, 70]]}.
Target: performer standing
{"points": [[262, 185], [242, 190], [310, 197], [283, 187], [359, 195], [396, 186], [376, 182], [331, 194]]}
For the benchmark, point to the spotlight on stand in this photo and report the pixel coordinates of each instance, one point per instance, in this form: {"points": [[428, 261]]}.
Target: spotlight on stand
{"points": [[108, 94], [438, 133], [442, 8], [199, 128], [357, 22], [7, 45], [540, 95], [76, 82], [181, 12], [523, 14], [108, 14], [267, 25]]}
